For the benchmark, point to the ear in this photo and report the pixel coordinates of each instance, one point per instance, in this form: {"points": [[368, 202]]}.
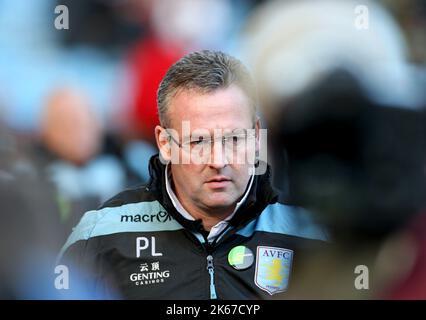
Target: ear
{"points": [[257, 129], [163, 143]]}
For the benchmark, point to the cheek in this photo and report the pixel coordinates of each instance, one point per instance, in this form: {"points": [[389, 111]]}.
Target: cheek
{"points": [[242, 176], [189, 173], [192, 169]]}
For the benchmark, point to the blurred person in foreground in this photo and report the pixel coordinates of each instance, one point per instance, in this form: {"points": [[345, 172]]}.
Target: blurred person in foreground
{"points": [[30, 227], [345, 113], [28, 220], [359, 167], [208, 225]]}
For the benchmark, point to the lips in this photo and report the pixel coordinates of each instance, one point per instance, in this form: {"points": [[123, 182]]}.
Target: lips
{"points": [[219, 179], [218, 182]]}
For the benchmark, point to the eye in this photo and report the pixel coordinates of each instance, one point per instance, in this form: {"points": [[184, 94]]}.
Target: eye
{"points": [[198, 141], [238, 139]]}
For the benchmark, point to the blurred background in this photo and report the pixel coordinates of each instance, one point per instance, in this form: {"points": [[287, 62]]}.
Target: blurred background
{"points": [[78, 111]]}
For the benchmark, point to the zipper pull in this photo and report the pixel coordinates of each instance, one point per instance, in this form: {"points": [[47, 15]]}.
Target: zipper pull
{"points": [[210, 268]]}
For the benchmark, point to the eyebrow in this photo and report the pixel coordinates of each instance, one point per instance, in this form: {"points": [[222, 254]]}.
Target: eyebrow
{"points": [[211, 131]]}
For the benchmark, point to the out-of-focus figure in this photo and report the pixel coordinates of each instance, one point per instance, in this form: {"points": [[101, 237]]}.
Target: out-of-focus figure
{"points": [[71, 155], [345, 118], [360, 167], [291, 45], [70, 129]]}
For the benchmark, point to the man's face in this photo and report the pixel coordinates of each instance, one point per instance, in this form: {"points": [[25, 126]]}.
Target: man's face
{"points": [[215, 185]]}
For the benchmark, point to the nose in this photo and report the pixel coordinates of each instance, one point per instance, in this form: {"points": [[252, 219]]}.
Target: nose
{"points": [[219, 158]]}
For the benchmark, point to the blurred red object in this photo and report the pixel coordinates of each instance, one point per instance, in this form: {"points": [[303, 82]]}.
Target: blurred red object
{"points": [[413, 286], [149, 61]]}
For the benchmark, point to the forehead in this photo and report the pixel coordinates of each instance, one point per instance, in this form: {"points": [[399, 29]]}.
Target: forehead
{"points": [[224, 108]]}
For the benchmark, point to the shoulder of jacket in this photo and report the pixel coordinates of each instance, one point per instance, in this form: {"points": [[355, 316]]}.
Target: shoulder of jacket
{"points": [[286, 220], [133, 210], [131, 195]]}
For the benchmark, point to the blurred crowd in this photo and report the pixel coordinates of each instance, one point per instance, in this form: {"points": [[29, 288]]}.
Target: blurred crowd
{"points": [[344, 108]]}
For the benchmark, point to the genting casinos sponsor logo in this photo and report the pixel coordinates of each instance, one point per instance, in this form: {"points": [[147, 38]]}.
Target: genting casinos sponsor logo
{"points": [[149, 273], [203, 146]]}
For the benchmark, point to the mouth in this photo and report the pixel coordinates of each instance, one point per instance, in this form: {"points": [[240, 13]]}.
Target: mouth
{"points": [[219, 182]]}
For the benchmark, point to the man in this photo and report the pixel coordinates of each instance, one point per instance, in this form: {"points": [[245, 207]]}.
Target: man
{"points": [[207, 226]]}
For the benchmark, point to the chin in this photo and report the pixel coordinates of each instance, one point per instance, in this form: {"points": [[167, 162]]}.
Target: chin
{"points": [[223, 201]]}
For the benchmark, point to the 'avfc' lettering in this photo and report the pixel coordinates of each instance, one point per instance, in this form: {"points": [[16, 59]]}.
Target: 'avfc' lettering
{"points": [[276, 254]]}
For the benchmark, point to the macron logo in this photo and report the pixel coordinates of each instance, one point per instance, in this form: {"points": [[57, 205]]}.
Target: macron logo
{"points": [[161, 217]]}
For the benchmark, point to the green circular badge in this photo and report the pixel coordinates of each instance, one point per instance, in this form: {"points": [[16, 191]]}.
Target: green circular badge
{"points": [[240, 258]]}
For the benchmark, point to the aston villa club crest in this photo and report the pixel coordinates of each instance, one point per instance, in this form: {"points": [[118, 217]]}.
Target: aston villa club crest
{"points": [[273, 267]]}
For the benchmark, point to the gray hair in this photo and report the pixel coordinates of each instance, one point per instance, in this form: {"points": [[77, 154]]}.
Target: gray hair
{"points": [[204, 71]]}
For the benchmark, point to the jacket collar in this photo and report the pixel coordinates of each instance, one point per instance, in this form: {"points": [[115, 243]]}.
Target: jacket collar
{"points": [[260, 195]]}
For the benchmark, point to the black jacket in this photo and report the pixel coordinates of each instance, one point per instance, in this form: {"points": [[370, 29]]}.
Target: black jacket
{"points": [[137, 246]]}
